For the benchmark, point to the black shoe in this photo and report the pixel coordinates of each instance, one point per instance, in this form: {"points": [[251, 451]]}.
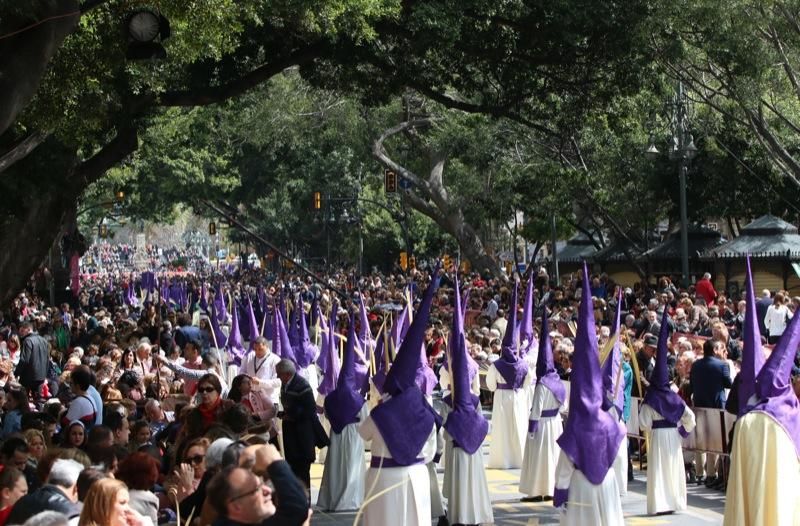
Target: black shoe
{"points": [[710, 481], [691, 475], [720, 484], [530, 499], [547, 498], [443, 521], [630, 477], [700, 480]]}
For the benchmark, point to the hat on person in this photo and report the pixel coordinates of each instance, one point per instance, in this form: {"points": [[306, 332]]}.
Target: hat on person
{"points": [[466, 423], [216, 450], [752, 352], [591, 436], [406, 419], [651, 340]]}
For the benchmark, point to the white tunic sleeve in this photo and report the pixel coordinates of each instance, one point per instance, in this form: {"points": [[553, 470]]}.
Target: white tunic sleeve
{"points": [[367, 429], [538, 403], [646, 417], [687, 420], [491, 378], [564, 470]]}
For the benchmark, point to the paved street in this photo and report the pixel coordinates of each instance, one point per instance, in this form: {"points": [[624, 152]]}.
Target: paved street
{"points": [[705, 506]]}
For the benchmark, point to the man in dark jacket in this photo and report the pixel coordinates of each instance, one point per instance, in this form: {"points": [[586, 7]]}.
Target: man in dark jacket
{"points": [[708, 379], [34, 359], [59, 494], [299, 410], [241, 497]]}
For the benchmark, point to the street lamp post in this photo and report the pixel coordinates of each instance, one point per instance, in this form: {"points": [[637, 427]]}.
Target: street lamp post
{"points": [[683, 150]]}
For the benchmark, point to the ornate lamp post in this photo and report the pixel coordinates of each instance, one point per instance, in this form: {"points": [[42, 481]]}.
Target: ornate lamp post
{"points": [[683, 150]]}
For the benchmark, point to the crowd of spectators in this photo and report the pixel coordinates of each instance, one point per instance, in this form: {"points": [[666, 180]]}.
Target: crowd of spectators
{"points": [[101, 387], [115, 258]]}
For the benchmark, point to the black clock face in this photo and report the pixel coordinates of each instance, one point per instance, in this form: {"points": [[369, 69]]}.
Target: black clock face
{"points": [[143, 26]]}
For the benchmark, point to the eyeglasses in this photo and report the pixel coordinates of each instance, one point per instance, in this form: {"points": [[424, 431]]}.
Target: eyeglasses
{"points": [[206, 390], [197, 459], [259, 486]]}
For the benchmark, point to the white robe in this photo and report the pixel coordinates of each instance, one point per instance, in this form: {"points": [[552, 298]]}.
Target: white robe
{"points": [[764, 483], [509, 422], [538, 476], [588, 504], [407, 497], [621, 462], [465, 486], [437, 505], [342, 486], [666, 476], [326, 425]]}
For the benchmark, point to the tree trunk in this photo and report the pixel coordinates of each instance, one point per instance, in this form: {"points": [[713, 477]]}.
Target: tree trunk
{"points": [[25, 55], [48, 183]]}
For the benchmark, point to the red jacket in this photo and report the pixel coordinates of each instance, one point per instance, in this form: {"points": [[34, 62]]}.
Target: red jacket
{"points": [[705, 289]]}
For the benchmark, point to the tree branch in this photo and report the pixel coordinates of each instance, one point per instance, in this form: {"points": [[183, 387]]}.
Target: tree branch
{"points": [[125, 143], [379, 152], [21, 149], [215, 94]]}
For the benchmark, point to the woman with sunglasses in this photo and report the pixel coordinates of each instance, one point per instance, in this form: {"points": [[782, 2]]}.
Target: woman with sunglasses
{"points": [[211, 407], [190, 468]]}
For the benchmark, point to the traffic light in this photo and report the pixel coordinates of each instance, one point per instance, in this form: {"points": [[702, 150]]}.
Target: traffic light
{"points": [[103, 231], [509, 268], [403, 260], [446, 262], [389, 182], [212, 229], [317, 201]]}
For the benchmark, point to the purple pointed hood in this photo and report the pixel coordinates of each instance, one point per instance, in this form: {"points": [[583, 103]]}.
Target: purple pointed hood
{"points": [[328, 360], [752, 352], [591, 436], [659, 396], [402, 375], [234, 344], [526, 326], [253, 324], [511, 368], [280, 339], [305, 351], [545, 368], [292, 327], [465, 423], [774, 384], [219, 303], [221, 339], [343, 404], [406, 420], [612, 377]]}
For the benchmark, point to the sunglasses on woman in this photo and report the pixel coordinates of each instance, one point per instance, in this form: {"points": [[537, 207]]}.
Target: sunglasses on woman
{"points": [[205, 390], [197, 459]]}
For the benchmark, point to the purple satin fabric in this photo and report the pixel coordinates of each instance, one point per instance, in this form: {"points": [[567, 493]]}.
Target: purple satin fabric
{"points": [[554, 384], [386, 462], [405, 421], [468, 428], [512, 372], [342, 406]]}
